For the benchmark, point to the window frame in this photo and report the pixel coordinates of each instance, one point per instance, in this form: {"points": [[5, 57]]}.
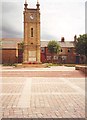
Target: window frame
{"points": [[32, 32]]}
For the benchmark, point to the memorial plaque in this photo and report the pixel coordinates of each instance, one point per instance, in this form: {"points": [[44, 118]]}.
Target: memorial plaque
{"points": [[32, 55]]}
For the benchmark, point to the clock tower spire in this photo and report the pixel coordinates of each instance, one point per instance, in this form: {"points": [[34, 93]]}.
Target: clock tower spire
{"points": [[38, 4], [25, 4], [37, 1]]}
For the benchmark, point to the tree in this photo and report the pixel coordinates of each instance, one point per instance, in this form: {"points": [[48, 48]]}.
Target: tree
{"points": [[81, 45], [53, 48], [22, 46]]}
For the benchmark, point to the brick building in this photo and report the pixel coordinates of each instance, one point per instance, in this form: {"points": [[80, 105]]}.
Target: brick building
{"points": [[9, 51], [34, 50], [31, 33], [66, 54], [12, 53]]}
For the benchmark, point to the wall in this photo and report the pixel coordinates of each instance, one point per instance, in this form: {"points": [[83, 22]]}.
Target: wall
{"points": [[9, 56], [0, 56], [81, 68], [70, 57], [20, 55]]}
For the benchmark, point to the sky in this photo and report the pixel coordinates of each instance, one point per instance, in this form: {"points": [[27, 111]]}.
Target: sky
{"points": [[86, 17], [59, 18]]}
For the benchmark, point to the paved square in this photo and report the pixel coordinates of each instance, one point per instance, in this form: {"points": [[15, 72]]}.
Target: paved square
{"points": [[43, 97]]}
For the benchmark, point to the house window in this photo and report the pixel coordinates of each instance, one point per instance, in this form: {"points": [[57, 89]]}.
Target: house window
{"points": [[42, 50], [69, 50], [31, 32], [61, 50], [64, 57], [48, 57], [55, 57]]}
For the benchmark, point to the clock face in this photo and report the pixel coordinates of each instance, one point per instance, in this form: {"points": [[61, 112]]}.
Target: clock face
{"points": [[31, 17]]}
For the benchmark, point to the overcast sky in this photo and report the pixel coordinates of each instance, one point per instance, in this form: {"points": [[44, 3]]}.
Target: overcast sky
{"points": [[86, 17], [59, 18]]}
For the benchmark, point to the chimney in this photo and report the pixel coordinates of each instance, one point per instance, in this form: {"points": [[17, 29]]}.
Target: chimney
{"points": [[62, 39], [75, 38]]}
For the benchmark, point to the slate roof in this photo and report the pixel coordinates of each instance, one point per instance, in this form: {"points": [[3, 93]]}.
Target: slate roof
{"points": [[62, 44], [12, 43]]}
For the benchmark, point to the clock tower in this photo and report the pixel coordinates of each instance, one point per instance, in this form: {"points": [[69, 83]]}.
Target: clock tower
{"points": [[31, 34]]}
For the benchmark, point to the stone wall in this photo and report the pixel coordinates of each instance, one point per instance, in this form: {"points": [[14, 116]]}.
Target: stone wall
{"points": [[81, 68]]}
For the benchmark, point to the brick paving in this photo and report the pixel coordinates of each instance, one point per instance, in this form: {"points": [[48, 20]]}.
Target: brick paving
{"points": [[43, 74], [46, 96]]}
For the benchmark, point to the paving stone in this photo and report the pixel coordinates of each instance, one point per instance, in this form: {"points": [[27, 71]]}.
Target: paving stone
{"points": [[43, 97]]}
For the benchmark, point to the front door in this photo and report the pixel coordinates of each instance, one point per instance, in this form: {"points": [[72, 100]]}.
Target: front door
{"points": [[77, 59]]}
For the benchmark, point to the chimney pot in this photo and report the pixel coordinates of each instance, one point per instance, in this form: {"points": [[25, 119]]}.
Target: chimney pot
{"points": [[62, 39]]}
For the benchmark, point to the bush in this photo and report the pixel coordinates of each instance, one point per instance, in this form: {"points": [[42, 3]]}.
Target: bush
{"points": [[70, 65], [9, 64], [54, 64]]}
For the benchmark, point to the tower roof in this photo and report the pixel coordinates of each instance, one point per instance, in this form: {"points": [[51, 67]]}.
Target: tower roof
{"points": [[25, 4], [25, 1], [37, 1], [38, 4]]}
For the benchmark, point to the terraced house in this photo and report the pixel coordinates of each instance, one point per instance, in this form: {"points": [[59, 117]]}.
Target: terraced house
{"points": [[12, 53]]}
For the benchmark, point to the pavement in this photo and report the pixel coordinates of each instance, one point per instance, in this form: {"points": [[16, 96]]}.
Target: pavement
{"points": [[56, 92]]}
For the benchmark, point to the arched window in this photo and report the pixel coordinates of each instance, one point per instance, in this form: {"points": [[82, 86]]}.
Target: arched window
{"points": [[31, 32], [69, 50], [61, 50]]}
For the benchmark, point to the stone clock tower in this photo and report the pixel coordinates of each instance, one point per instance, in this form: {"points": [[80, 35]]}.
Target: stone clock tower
{"points": [[31, 34]]}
